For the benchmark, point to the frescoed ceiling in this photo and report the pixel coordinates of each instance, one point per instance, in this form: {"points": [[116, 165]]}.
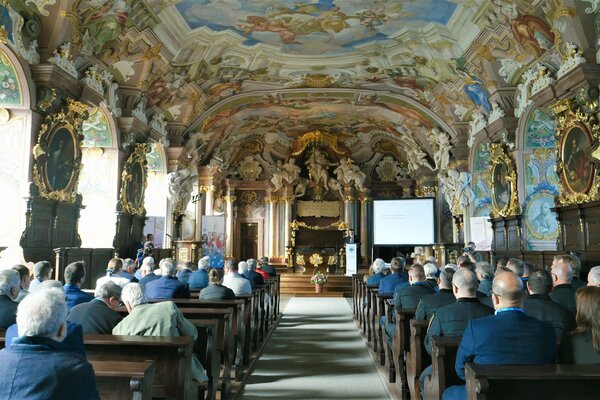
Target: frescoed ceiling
{"points": [[313, 27]]}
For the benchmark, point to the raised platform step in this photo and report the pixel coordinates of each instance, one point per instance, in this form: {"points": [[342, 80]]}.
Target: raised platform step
{"points": [[299, 285]]}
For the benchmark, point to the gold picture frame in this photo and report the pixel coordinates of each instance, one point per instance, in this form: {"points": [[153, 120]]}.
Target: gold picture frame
{"points": [[134, 180], [503, 182], [577, 136], [57, 153]]}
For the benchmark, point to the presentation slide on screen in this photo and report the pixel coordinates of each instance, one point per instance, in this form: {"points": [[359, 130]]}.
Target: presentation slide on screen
{"points": [[404, 222], [481, 232]]}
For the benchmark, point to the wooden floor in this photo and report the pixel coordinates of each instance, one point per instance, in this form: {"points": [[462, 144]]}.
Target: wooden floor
{"points": [[298, 285]]}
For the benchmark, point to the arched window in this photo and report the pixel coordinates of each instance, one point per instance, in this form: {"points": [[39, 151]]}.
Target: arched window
{"points": [[15, 144], [98, 181], [155, 197]]}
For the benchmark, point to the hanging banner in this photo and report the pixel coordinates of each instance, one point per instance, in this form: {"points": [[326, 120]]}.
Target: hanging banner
{"points": [[351, 258]]}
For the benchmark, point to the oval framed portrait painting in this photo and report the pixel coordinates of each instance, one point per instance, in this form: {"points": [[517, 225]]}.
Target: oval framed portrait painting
{"points": [[135, 186], [502, 180], [577, 169], [501, 189], [133, 181], [62, 156]]}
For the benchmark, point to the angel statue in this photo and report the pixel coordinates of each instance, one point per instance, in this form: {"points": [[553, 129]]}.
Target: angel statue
{"points": [[180, 186], [286, 173], [457, 189], [348, 172], [442, 155]]}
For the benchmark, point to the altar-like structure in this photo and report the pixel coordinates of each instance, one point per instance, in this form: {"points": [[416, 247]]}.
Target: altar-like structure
{"points": [[317, 247]]}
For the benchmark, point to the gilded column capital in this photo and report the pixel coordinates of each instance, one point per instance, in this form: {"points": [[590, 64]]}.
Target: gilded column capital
{"points": [[269, 200], [229, 199], [365, 199], [349, 198], [206, 188], [288, 199]]}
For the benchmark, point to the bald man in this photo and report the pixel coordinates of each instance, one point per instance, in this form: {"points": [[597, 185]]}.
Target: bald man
{"points": [[563, 292], [508, 337]]}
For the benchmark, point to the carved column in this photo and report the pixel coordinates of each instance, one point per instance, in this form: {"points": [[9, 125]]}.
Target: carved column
{"points": [[364, 231], [200, 203], [228, 223], [288, 201], [210, 201], [269, 227]]}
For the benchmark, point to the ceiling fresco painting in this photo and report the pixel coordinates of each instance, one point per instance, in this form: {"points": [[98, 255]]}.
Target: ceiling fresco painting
{"points": [[313, 27]]}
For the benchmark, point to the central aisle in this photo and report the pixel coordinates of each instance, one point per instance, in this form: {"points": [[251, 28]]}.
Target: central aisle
{"points": [[316, 352]]}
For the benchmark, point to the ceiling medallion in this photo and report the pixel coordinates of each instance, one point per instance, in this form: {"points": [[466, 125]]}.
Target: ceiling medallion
{"points": [[249, 168]]}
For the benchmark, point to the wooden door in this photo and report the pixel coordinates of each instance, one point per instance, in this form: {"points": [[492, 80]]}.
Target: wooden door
{"points": [[248, 240]]}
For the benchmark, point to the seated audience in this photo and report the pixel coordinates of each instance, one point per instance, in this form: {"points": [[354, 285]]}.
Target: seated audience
{"points": [[25, 277], [431, 302], [33, 367], [527, 270], [144, 252], [377, 272], [594, 277], [409, 296], [431, 273], [465, 262], [73, 341], [199, 279], [452, 319], [158, 319], [501, 263], [113, 273], [269, 269], [9, 290], [562, 274], [510, 337], [147, 271], [99, 315], [582, 346], [215, 289], [42, 271], [254, 277], [183, 275], [539, 305], [262, 272], [128, 270], [485, 274], [167, 286], [74, 277], [576, 282], [517, 266], [398, 277], [234, 281]]}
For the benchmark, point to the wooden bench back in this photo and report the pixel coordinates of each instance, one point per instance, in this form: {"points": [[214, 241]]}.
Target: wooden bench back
{"points": [[443, 373]]}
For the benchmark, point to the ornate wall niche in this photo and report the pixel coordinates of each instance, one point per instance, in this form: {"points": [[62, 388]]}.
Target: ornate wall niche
{"points": [[134, 181], [577, 154], [57, 153], [503, 183]]}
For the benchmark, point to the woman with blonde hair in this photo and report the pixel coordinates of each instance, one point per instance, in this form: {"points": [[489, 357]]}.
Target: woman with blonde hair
{"points": [[582, 346]]}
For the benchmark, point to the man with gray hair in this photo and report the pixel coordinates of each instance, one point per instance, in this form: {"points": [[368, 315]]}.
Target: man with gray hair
{"points": [[234, 281], [99, 315], [42, 271], [562, 274], [431, 275], [9, 290], [167, 286], [377, 270], [254, 277], [147, 271], [158, 319], [199, 279], [485, 274], [264, 265], [33, 368], [594, 276]]}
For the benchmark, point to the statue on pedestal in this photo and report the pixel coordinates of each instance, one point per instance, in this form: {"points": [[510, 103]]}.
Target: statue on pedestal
{"points": [[348, 173]]}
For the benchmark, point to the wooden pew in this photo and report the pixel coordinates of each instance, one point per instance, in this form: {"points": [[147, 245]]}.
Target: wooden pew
{"points": [[532, 382], [171, 355], [443, 373], [206, 349], [237, 323], [380, 334], [417, 357], [372, 315], [400, 345], [124, 380], [248, 328]]}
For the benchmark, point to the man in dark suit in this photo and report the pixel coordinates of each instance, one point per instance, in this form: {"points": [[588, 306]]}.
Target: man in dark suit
{"points": [[74, 277], [215, 289], [398, 277], [409, 296], [576, 282], [199, 278], [510, 337], [562, 274], [485, 274], [539, 305], [167, 286], [99, 315], [254, 277], [9, 290], [351, 237], [431, 302], [452, 319], [147, 272]]}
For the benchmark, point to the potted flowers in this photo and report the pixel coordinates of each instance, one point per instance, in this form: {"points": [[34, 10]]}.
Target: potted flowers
{"points": [[318, 279]]}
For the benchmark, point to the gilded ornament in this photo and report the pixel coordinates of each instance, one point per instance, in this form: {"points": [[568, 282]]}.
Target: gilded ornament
{"points": [[339, 225], [300, 259], [316, 259], [503, 181], [134, 181]]}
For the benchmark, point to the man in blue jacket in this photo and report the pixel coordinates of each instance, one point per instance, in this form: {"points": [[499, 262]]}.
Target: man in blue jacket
{"points": [[74, 277], [510, 337], [167, 286], [199, 278], [398, 277]]}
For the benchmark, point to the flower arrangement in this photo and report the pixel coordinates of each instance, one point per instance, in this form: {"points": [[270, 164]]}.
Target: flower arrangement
{"points": [[318, 278]]}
